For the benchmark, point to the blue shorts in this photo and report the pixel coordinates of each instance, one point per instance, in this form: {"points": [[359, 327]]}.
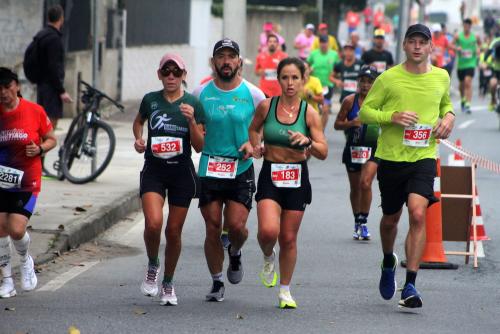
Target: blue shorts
{"points": [[20, 202]]}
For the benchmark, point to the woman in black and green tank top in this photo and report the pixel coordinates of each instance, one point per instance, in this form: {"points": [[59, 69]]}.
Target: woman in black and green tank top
{"points": [[291, 131]]}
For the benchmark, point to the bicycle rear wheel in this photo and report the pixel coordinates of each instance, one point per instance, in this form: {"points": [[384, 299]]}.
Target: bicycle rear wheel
{"points": [[88, 152]]}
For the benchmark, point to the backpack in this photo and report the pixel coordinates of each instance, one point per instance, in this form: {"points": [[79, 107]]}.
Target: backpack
{"points": [[31, 64]]}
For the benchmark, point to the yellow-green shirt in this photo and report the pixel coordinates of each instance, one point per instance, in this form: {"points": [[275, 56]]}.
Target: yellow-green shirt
{"points": [[396, 90], [314, 86]]}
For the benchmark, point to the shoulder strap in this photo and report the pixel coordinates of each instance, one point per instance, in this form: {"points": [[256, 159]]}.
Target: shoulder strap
{"points": [[272, 107]]}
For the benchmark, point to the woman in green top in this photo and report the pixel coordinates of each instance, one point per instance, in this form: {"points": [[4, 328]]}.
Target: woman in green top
{"points": [[291, 131], [172, 116]]}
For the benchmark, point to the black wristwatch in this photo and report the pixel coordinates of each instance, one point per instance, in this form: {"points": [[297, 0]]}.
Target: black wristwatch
{"points": [[41, 150]]}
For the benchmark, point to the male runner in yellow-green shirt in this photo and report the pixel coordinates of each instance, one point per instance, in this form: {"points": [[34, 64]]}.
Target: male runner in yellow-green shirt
{"points": [[411, 102]]}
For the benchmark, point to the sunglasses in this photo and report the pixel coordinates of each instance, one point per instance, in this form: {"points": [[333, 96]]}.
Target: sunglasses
{"points": [[177, 72]]}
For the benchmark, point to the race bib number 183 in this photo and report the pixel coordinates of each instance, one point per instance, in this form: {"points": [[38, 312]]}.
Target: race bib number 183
{"points": [[286, 175]]}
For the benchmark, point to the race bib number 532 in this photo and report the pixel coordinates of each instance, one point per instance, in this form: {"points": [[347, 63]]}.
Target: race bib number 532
{"points": [[10, 177], [166, 147], [286, 175], [417, 135]]}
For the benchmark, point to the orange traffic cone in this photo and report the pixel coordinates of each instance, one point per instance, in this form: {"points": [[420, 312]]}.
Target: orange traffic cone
{"points": [[434, 257], [480, 230], [458, 143], [455, 159]]}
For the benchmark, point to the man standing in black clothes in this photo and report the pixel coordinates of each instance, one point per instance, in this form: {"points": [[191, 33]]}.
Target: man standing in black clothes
{"points": [[378, 56], [51, 93]]}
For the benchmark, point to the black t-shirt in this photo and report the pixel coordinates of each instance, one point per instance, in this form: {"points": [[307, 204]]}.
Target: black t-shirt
{"points": [[349, 76], [381, 60], [168, 129]]}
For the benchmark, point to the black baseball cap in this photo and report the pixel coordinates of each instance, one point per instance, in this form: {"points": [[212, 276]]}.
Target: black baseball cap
{"points": [[368, 71], [418, 29], [7, 76], [226, 43], [323, 38]]}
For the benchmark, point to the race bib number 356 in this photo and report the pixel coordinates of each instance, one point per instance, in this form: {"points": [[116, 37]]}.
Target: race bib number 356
{"points": [[222, 168], [166, 147], [10, 177], [286, 175], [417, 135]]}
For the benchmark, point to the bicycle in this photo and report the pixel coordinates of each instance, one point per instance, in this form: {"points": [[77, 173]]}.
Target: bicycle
{"points": [[88, 138]]}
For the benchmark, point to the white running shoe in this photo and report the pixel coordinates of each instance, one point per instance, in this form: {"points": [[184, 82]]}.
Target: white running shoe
{"points": [[167, 296], [286, 300], [149, 286], [28, 276], [7, 288], [268, 275]]}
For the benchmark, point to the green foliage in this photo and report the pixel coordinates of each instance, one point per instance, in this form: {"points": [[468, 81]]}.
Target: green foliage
{"points": [[392, 9]]}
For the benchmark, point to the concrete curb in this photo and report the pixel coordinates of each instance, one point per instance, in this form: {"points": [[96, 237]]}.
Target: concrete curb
{"points": [[90, 226]]}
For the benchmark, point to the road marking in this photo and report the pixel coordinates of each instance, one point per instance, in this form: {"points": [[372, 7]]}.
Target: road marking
{"points": [[466, 123], [60, 281], [479, 108]]}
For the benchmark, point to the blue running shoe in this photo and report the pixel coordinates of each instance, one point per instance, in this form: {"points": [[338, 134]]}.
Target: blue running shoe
{"points": [[365, 235], [388, 285], [357, 232], [410, 297]]}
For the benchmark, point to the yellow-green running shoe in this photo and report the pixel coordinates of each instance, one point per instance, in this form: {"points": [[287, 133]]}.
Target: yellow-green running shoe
{"points": [[268, 275], [286, 300]]}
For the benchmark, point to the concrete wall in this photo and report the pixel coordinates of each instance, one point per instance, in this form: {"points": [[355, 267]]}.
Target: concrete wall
{"points": [[19, 22]]}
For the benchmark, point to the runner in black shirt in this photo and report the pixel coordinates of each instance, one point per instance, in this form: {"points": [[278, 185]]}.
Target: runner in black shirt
{"points": [[378, 56], [345, 73]]}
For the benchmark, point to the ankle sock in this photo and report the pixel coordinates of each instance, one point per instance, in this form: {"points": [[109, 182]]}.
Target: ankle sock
{"points": [[411, 276], [217, 277], [388, 260], [22, 246]]}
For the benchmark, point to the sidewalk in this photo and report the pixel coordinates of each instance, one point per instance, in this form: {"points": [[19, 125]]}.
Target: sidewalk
{"points": [[67, 215]]}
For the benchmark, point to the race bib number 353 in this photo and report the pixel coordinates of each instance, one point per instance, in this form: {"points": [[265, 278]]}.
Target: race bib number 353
{"points": [[10, 177], [417, 135], [222, 168], [286, 175], [166, 147]]}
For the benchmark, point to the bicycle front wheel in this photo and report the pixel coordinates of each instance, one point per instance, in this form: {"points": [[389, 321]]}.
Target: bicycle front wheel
{"points": [[88, 152]]}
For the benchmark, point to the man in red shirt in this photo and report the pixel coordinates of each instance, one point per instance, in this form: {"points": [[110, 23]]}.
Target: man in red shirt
{"points": [[266, 65], [441, 44]]}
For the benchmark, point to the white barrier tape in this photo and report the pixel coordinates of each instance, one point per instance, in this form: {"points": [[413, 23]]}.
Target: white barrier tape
{"points": [[473, 158]]}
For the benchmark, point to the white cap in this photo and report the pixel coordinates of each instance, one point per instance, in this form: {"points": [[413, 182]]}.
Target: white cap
{"points": [[436, 27], [310, 26]]}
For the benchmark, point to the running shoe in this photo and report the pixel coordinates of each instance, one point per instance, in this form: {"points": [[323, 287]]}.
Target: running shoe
{"points": [[388, 285], [410, 297], [467, 108], [224, 238], [365, 235], [7, 288], [217, 292], [167, 295], [149, 286], [268, 275], [491, 107], [286, 300], [28, 276], [357, 231], [235, 268]]}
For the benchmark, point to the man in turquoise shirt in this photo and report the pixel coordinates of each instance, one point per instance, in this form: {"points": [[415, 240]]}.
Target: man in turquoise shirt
{"points": [[226, 167]]}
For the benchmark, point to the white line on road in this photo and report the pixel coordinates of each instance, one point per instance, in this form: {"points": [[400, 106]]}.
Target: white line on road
{"points": [[59, 282], [466, 123]]}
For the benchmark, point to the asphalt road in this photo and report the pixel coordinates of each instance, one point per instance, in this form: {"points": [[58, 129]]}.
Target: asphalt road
{"points": [[96, 287]]}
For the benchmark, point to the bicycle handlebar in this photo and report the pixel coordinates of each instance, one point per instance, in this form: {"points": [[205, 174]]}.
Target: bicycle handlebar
{"points": [[101, 94]]}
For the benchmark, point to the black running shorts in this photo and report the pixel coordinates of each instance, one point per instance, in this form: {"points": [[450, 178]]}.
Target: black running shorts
{"points": [[240, 189], [20, 202], [288, 198], [177, 180], [352, 167], [466, 72], [399, 179]]}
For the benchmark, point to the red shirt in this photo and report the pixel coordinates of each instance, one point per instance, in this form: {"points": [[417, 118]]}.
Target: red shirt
{"points": [[28, 122], [269, 80], [440, 46], [352, 19]]}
